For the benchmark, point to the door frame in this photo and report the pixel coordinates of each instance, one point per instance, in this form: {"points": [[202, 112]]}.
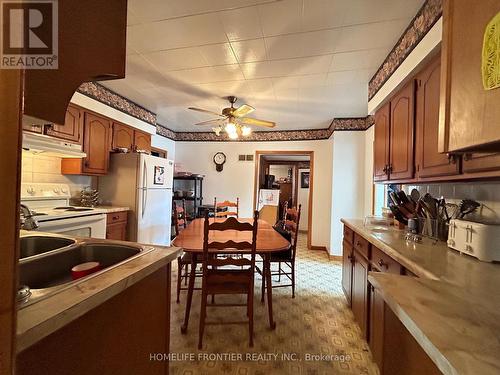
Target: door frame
{"points": [[258, 154]]}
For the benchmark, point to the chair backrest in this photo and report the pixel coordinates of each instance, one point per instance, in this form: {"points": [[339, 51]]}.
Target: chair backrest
{"points": [[179, 216], [231, 208], [227, 244], [292, 221]]}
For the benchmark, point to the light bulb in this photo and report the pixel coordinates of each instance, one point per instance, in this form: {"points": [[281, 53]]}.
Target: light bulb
{"points": [[246, 131], [230, 128], [232, 135]]}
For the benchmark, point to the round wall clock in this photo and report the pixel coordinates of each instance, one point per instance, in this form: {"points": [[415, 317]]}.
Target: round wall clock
{"points": [[219, 160]]}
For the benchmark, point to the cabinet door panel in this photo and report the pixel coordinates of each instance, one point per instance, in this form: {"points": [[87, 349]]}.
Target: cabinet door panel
{"points": [[430, 162], [479, 163], [376, 340], [123, 136], [71, 130], [96, 144], [360, 291], [402, 134], [347, 270], [142, 141], [381, 143]]}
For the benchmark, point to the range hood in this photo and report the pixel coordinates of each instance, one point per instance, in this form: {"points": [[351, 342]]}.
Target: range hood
{"points": [[46, 145]]}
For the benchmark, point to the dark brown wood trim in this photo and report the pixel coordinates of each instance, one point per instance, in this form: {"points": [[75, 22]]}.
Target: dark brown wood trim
{"points": [[11, 83]]}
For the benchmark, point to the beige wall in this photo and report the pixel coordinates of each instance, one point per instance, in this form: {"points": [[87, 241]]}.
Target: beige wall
{"points": [[237, 178]]}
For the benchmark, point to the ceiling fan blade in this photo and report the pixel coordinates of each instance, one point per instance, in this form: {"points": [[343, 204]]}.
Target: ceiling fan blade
{"points": [[206, 111], [210, 122], [257, 122], [243, 110]]}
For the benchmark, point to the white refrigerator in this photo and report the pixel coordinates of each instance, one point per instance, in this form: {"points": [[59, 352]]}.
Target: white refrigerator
{"points": [[144, 184]]}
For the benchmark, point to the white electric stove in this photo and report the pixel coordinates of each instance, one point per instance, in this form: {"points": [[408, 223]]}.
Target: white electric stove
{"points": [[50, 206]]}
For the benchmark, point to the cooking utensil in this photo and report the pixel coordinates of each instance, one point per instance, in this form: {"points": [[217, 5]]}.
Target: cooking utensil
{"points": [[467, 206], [415, 195]]}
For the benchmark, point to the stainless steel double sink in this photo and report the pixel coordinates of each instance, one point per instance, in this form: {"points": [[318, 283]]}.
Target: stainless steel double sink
{"points": [[46, 261]]}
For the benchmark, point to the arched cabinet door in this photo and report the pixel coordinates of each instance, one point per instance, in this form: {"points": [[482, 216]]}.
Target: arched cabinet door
{"points": [[96, 144], [401, 161]]}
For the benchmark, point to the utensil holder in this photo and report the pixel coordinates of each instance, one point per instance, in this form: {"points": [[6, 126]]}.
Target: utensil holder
{"points": [[432, 228]]}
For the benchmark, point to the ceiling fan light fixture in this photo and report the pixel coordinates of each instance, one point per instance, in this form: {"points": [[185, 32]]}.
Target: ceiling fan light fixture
{"points": [[232, 135], [246, 131], [230, 128]]}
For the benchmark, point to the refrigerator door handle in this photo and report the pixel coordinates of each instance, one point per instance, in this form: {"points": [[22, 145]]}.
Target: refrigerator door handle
{"points": [[144, 189]]}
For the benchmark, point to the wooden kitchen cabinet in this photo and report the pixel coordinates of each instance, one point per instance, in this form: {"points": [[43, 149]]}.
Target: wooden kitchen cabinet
{"points": [[347, 259], [96, 141], [359, 298], [402, 129], [142, 141], [123, 136], [116, 226], [381, 144], [469, 114], [376, 325], [429, 161], [71, 130]]}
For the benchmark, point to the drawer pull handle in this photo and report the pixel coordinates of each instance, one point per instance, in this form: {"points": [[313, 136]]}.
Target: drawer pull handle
{"points": [[381, 263]]}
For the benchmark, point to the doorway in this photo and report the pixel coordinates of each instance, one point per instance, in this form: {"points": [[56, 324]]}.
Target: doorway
{"points": [[284, 176]]}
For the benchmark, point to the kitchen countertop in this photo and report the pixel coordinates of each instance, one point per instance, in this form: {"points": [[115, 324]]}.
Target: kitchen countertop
{"points": [[452, 309], [110, 209], [40, 319]]}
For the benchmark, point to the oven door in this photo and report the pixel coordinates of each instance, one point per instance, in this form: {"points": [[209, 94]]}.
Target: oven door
{"points": [[84, 226]]}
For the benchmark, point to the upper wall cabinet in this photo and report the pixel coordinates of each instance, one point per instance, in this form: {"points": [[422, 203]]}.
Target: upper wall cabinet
{"points": [[430, 162], [381, 144], [71, 130], [402, 129], [470, 114], [91, 47]]}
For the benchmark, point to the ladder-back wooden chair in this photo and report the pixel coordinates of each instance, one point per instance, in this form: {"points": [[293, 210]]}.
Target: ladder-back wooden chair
{"points": [[226, 208], [179, 222], [290, 223], [223, 272]]}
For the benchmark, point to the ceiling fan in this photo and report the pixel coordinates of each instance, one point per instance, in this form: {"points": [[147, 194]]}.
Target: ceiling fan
{"points": [[233, 121]]}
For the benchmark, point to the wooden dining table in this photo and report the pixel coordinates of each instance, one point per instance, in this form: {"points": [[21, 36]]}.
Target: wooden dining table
{"points": [[268, 241]]}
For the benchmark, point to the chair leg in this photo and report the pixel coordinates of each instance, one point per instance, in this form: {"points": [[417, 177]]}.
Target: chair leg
{"points": [[203, 313], [250, 316], [293, 279], [179, 277], [263, 282]]}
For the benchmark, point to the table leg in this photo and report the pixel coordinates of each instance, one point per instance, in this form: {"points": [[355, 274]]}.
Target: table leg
{"points": [[267, 267], [189, 299]]}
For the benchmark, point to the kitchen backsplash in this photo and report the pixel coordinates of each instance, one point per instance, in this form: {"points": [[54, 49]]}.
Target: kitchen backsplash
{"points": [[486, 193], [41, 168]]}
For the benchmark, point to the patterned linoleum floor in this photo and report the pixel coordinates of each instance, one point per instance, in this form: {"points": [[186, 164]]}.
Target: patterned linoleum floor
{"points": [[317, 322]]}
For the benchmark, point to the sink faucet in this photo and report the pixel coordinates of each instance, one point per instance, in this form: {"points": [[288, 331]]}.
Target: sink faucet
{"points": [[28, 222]]}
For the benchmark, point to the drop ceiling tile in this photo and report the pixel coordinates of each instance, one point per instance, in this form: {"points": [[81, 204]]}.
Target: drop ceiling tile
{"points": [[323, 14], [249, 50], [177, 33], [350, 76], [281, 17], [364, 11], [287, 67], [373, 35], [370, 58], [242, 24], [218, 54], [175, 59]]}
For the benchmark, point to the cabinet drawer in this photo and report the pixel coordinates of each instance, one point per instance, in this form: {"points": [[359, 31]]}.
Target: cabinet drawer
{"points": [[117, 217], [348, 234], [384, 262], [362, 245]]}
